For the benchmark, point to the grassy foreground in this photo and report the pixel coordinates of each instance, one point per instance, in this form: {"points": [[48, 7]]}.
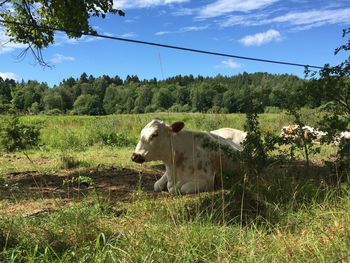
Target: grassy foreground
{"points": [[78, 198]]}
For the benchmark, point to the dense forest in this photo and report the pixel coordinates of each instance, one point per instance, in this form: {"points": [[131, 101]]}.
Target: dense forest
{"points": [[109, 95]]}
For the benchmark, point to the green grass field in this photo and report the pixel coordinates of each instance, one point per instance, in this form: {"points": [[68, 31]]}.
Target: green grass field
{"points": [[79, 198]]}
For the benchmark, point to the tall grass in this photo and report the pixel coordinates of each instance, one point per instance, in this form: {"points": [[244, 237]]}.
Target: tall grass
{"points": [[296, 214], [175, 229], [71, 132]]}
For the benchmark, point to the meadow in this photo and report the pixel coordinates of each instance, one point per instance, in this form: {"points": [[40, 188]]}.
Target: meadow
{"points": [[77, 197]]}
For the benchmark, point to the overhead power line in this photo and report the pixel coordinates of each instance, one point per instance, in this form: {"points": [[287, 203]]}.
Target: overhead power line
{"points": [[165, 46]]}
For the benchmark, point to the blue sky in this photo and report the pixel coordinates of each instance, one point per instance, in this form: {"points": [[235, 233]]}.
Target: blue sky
{"points": [[299, 31]]}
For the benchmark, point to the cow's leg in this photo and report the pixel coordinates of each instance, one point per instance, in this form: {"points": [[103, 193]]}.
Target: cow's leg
{"points": [[172, 190], [160, 185], [196, 187], [189, 188]]}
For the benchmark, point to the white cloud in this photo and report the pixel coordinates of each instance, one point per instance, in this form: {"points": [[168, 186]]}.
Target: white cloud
{"points": [[9, 75], [97, 28], [134, 4], [193, 28], [244, 20], [221, 7], [183, 12], [62, 38], [183, 30], [235, 20], [59, 58], [108, 34], [160, 33], [162, 12], [127, 35], [261, 38], [302, 20], [228, 64], [314, 18]]}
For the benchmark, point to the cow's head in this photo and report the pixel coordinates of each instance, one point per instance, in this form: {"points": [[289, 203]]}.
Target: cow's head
{"points": [[155, 141]]}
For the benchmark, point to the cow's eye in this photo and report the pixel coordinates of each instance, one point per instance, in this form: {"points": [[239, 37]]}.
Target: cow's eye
{"points": [[154, 135]]}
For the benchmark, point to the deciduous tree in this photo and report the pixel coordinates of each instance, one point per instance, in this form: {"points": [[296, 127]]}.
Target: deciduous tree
{"points": [[32, 22]]}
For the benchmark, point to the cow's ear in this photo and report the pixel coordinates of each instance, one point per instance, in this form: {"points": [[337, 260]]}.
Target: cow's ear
{"points": [[177, 126]]}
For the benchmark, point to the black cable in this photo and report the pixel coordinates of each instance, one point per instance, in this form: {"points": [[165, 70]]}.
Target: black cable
{"points": [[164, 45]]}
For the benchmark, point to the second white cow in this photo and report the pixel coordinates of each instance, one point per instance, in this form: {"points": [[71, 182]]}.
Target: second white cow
{"points": [[234, 135], [193, 160], [345, 135]]}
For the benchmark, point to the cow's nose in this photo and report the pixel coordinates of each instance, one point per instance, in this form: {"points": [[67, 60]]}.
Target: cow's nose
{"points": [[137, 158], [134, 156]]}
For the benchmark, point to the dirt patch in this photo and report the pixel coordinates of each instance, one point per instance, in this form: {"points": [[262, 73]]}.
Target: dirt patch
{"points": [[32, 192], [32, 207], [44, 161]]}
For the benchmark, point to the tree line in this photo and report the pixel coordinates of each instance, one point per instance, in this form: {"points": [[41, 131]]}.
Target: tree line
{"points": [[88, 95]]}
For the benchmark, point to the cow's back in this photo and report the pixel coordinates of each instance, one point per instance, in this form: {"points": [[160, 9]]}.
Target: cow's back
{"points": [[234, 135], [206, 148]]}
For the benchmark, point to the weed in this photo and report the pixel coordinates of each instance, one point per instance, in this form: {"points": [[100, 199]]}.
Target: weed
{"points": [[8, 185], [69, 162], [81, 180], [16, 136], [116, 139]]}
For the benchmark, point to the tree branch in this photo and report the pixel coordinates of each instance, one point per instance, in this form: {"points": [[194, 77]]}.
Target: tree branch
{"points": [[4, 2], [36, 52], [342, 103]]}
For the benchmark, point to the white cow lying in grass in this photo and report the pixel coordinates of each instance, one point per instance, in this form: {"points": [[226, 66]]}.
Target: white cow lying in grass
{"points": [[193, 160], [345, 135], [234, 135]]}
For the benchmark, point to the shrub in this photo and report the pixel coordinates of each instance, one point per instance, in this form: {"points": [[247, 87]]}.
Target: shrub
{"points": [[272, 109], [254, 155], [16, 136], [116, 139], [214, 109], [88, 104], [53, 112], [175, 108], [68, 162], [343, 156], [150, 108], [5, 108]]}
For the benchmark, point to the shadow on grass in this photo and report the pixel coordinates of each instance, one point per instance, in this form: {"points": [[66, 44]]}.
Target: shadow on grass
{"points": [[264, 198], [49, 204], [268, 197], [115, 183]]}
